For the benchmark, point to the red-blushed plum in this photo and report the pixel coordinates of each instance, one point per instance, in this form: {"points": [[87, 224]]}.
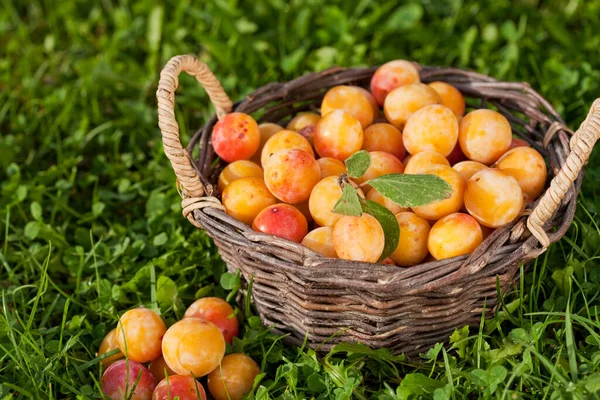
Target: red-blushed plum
{"points": [[244, 198], [120, 378], [237, 170], [217, 311], [451, 97], [528, 167], [350, 99], [454, 235], [283, 220], [402, 102], [338, 135], [412, 244], [484, 135], [233, 378], [236, 137], [282, 140], [467, 169], [493, 197], [182, 350], [384, 137], [139, 334], [432, 128], [180, 387], [423, 160], [392, 75], [291, 175], [358, 238]]}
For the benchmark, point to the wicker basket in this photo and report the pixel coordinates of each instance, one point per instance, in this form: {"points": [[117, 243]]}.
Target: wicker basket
{"points": [[329, 301]]}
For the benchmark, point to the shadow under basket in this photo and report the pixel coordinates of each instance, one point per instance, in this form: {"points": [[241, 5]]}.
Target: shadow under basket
{"points": [[329, 301]]}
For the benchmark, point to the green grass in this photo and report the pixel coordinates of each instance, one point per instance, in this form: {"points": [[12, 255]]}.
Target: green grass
{"points": [[90, 221]]}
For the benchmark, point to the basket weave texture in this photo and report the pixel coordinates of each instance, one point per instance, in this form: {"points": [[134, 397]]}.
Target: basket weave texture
{"points": [[330, 301]]}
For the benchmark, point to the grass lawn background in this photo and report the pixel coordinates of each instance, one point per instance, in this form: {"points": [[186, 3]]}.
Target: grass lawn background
{"points": [[90, 220]]}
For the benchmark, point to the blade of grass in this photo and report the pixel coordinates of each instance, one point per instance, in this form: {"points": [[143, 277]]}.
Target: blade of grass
{"points": [[571, 351]]}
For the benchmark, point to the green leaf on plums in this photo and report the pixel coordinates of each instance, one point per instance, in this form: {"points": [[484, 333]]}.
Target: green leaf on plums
{"points": [[389, 224], [358, 163], [349, 203], [412, 190]]}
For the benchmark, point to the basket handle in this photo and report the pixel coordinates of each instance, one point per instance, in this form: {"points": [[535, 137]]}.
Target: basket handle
{"points": [[582, 145], [168, 83]]}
